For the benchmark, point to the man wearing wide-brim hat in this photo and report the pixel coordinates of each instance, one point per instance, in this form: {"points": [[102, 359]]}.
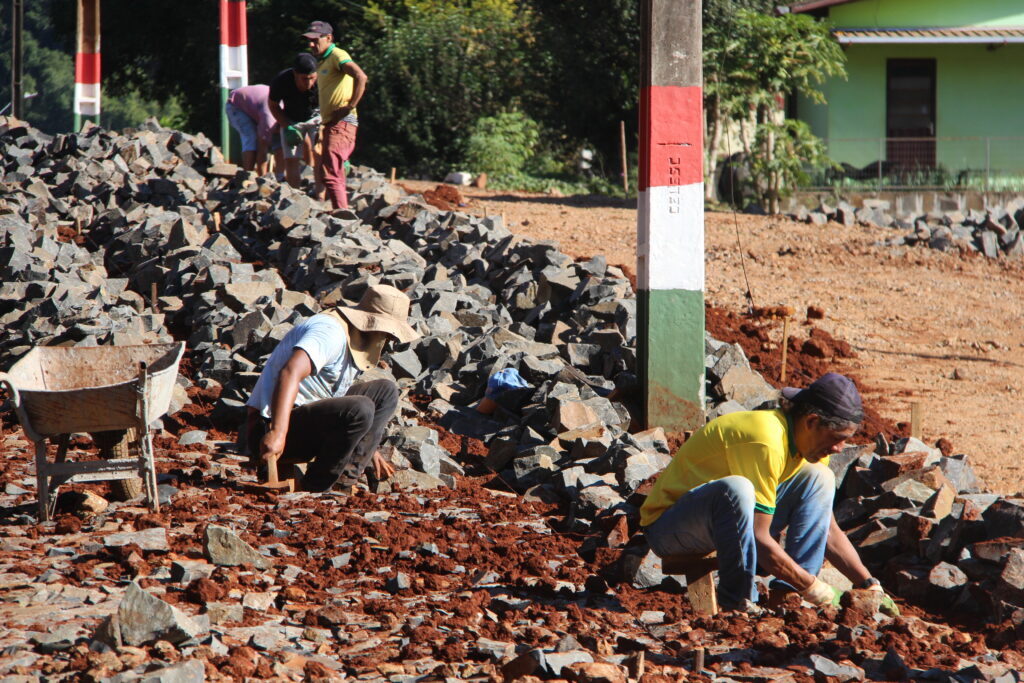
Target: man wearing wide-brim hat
{"points": [[744, 477], [307, 405]]}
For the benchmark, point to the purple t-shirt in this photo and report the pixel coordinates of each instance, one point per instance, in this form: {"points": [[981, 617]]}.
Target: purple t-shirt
{"points": [[252, 99]]}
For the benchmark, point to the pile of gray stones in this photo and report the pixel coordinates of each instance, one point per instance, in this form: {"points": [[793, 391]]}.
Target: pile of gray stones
{"points": [[994, 232], [149, 235]]}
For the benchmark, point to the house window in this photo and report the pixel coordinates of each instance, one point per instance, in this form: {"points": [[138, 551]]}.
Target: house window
{"points": [[910, 113]]}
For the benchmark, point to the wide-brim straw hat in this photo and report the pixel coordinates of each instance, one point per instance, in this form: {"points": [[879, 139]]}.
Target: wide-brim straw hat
{"points": [[383, 308]]}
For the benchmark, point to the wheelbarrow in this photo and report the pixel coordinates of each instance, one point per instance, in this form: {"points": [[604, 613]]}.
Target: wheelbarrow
{"points": [[57, 391]]}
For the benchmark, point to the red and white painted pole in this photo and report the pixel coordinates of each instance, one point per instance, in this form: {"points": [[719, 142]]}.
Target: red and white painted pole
{"points": [[87, 63], [670, 239], [234, 61]]}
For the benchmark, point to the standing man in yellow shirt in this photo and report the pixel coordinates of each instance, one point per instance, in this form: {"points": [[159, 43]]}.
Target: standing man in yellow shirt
{"points": [[342, 84], [744, 477]]}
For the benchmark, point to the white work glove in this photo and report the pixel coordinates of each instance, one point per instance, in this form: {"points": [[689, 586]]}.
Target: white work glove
{"points": [[887, 607], [820, 594]]}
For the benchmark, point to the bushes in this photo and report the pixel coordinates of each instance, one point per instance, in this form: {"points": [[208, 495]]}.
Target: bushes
{"points": [[502, 144], [433, 73]]}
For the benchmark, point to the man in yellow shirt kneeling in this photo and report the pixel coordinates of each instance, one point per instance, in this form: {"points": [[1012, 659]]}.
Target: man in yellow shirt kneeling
{"points": [[744, 477]]}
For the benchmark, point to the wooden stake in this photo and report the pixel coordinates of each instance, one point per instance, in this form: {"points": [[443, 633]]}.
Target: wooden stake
{"points": [[785, 348], [698, 660], [392, 174], [78, 227], [622, 150], [216, 220], [152, 297], [915, 420], [503, 222]]}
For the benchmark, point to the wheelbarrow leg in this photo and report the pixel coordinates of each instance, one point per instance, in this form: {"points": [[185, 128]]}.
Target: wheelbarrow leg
{"points": [[146, 448], [147, 467], [42, 481]]}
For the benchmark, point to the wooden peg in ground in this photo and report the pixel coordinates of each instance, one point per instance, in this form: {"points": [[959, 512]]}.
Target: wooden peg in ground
{"points": [[915, 419], [785, 348]]}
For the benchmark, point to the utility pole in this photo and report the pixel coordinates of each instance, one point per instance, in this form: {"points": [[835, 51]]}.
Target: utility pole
{"points": [[17, 61], [670, 216], [234, 61], [87, 63]]}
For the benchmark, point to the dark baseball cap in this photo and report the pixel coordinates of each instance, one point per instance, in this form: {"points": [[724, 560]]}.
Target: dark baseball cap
{"points": [[304, 63], [832, 393], [317, 29]]}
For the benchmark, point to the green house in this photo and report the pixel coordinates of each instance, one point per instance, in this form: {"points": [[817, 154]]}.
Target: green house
{"points": [[932, 85]]}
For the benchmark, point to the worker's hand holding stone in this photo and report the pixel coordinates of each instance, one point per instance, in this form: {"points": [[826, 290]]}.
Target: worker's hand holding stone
{"points": [[888, 607], [820, 594]]}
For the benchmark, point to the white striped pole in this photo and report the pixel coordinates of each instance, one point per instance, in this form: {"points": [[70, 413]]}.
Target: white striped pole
{"points": [[234, 61], [87, 63], [670, 240]]}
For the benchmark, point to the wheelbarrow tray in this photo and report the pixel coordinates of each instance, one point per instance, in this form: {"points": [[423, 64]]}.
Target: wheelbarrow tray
{"points": [[92, 388]]}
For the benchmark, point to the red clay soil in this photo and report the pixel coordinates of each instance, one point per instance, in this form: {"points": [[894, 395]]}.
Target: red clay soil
{"points": [[444, 197], [811, 352], [483, 533]]}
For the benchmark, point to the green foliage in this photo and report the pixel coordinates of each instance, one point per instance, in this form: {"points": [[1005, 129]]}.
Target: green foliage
{"points": [[784, 153], [501, 144], [584, 71], [562, 184], [133, 90], [48, 69], [132, 109], [433, 73], [767, 56], [753, 61]]}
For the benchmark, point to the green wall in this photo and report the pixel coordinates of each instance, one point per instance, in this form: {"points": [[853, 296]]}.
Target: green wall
{"points": [[978, 94], [934, 13]]}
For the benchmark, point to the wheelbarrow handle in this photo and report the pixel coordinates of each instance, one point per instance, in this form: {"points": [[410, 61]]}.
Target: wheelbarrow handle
{"points": [[5, 379]]}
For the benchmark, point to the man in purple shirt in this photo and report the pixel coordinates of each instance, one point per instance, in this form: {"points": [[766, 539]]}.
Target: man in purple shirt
{"points": [[248, 112]]}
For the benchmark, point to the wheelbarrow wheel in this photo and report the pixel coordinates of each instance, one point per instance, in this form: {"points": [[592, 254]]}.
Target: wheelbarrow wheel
{"points": [[111, 448]]}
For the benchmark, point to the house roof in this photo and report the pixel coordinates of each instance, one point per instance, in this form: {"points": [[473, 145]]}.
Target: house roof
{"points": [[967, 34], [810, 5]]}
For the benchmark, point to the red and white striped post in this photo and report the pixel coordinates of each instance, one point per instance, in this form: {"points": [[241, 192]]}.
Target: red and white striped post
{"points": [[670, 216], [87, 63], [234, 61]]}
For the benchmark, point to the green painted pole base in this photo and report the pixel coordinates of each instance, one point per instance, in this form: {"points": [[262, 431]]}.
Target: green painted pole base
{"points": [[80, 121], [225, 127], [671, 374]]}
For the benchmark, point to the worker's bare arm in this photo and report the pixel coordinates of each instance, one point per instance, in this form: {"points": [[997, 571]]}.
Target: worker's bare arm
{"points": [[843, 556], [298, 367], [773, 558], [358, 89], [277, 111]]}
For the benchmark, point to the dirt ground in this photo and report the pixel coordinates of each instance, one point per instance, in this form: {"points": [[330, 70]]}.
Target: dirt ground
{"points": [[940, 329]]}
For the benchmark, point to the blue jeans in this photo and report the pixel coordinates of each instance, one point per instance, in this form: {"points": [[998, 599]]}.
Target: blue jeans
{"points": [[244, 124], [719, 516]]}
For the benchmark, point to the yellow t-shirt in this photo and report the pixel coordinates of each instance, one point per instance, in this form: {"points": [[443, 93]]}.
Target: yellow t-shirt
{"points": [[752, 444], [335, 86]]}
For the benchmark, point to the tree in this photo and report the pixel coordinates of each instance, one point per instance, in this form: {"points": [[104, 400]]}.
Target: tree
{"points": [[436, 68], [752, 67], [784, 151], [130, 93], [584, 71]]}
